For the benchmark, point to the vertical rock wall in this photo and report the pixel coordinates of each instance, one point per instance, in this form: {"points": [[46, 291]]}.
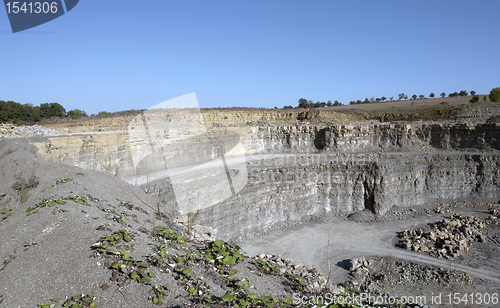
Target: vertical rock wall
{"points": [[336, 169]]}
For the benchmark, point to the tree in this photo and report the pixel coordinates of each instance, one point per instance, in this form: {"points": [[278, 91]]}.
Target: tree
{"points": [[474, 99], [366, 101], [57, 110], [431, 95], [495, 95], [443, 94], [421, 96], [302, 103], [463, 93], [52, 110], [4, 111], [406, 96], [359, 101], [401, 96], [77, 113], [287, 107], [472, 93], [29, 113], [15, 111], [414, 96], [337, 103], [383, 98], [454, 94], [329, 103]]}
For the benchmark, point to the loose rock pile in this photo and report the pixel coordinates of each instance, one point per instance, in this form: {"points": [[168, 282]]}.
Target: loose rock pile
{"points": [[37, 130], [389, 271], [439, 209], [12, 131], [376, 276], [359, 270], [306, 278], [446, 238]]}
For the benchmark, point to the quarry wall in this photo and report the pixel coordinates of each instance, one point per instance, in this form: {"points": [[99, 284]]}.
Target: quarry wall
{"points": [[288, 195], [299, 172]]}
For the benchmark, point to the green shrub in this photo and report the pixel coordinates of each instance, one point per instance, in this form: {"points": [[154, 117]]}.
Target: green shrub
{"points": [[495, 95], [474, 99]]}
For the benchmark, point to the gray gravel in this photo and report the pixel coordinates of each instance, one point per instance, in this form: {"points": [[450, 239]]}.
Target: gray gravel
{"points": [[37, 130]]}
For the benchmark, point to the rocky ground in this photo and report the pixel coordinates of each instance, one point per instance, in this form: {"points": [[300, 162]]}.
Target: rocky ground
{"points": [[411, 282], [78, 238], [388, 269]]}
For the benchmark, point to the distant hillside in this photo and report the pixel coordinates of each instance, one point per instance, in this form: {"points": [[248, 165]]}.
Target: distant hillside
{"points": [[420, 109]]}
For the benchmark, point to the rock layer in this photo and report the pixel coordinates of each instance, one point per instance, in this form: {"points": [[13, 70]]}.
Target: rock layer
{"points": [[310, 170]]}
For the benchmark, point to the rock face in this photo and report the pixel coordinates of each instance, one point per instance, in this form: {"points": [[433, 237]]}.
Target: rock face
{"points": [[303, 166], [110, 151], [283, 196]]}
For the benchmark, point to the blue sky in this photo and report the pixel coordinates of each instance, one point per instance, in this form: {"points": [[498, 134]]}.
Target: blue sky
{"points": [[116, 55]]}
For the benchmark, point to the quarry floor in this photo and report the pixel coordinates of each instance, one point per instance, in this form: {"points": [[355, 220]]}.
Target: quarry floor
{"points": [[329, 245]]}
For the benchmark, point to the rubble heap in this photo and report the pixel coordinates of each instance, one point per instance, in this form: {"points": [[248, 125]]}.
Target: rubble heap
{"points": [[307, 279], [446, 238]]}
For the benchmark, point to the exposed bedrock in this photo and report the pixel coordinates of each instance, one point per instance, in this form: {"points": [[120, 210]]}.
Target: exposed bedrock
{"points": [[375, 137], [287, 195], [111, 152], [299, 172]]}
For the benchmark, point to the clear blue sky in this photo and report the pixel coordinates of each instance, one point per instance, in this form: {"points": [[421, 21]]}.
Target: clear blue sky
{"points": [[115, 55]]}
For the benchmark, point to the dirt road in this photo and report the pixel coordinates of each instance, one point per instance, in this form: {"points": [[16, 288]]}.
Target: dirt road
{"points": [[316, 244]]}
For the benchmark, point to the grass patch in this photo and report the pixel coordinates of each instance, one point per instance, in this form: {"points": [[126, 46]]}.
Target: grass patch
{"points": [[61, 181], [4, 214], [56, 202]]}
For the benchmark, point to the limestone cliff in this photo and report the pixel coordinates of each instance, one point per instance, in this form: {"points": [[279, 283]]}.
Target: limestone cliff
{"points": [[300, 166]]}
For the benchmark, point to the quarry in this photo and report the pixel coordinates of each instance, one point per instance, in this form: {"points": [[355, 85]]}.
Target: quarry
{"points": [[318, 197], [306, 165]]}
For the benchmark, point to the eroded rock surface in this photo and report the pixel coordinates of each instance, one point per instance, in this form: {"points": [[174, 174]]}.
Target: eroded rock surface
{"points": [[302, 166]]}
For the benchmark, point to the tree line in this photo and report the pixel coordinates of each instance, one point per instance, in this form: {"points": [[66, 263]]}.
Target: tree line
{"points": [[403, 96], [304, 103], [11, 111]]}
